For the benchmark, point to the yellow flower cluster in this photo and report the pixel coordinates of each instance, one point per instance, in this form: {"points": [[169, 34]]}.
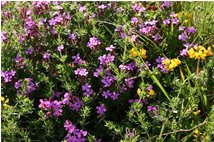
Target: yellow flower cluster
{"points": [[134, 52], [199, 52], [196, 133], [184, 15], [4, 101], [169, 65], [197, 112], [151, 92]]}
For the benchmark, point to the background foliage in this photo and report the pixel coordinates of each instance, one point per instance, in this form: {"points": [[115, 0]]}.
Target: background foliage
{"points": [[107, 71]]}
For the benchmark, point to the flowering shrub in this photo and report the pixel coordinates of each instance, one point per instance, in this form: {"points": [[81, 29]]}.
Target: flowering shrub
{"points": [[107, 71]]}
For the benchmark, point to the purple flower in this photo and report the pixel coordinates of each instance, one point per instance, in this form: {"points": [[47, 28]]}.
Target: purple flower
{"points": [[110, 48], [31, 28], [46, 55], [165, 4], [128, 67], [81, 72], [134, 20], [101, 109], [21, 39], [123, 88], [69, 126], [30, 85], [108, 80], [67, 98], [29, 51], [150, 87], [8, 75], [106, 59], [53, 32], [93, 43], [191, 30], [44, 105], [42, 21], [131, 66], [106, 94], [19, 60], [181, 28], [160, 64], [98, 71], [114, 96], [187, 45], [74, 134], [175, 21], [129, 82], [18, 84], [151, 108], [166, 21], [87, 90], [76, 105], [183, 36], [82, 8], [150, 23], [52, 22], [184, 52], [137, 8], [133, 38], [72, 36], [78, 60], [156, 37], [102, 6], [60, 48]]}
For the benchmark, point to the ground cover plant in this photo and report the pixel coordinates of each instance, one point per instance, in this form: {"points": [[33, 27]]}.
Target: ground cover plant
{"points": [[107, 71]]}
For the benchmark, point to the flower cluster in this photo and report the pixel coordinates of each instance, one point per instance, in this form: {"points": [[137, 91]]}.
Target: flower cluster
{"points": [[93, 43], [173, 19], [5, 102], [81, 72], [101, 109], [73, 133], [108, 94], [25, 86], [199, 52], [134, 53], [54, 108], [8, 75], [169, 65], [87, 90], [106, 59]]}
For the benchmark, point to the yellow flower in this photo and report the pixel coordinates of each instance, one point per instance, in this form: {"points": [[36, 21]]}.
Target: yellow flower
{"points": [[199, 52], [179, 15], [134, 52], [151, 92], [143, 53], [191, 53], [197, 112], [196, 133], [185, 21], [202, 55], [209, 51], [2, 98], [5, 101], [171, 64], [5, 105], [166, 62], [188, 15], [139, 91]]}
